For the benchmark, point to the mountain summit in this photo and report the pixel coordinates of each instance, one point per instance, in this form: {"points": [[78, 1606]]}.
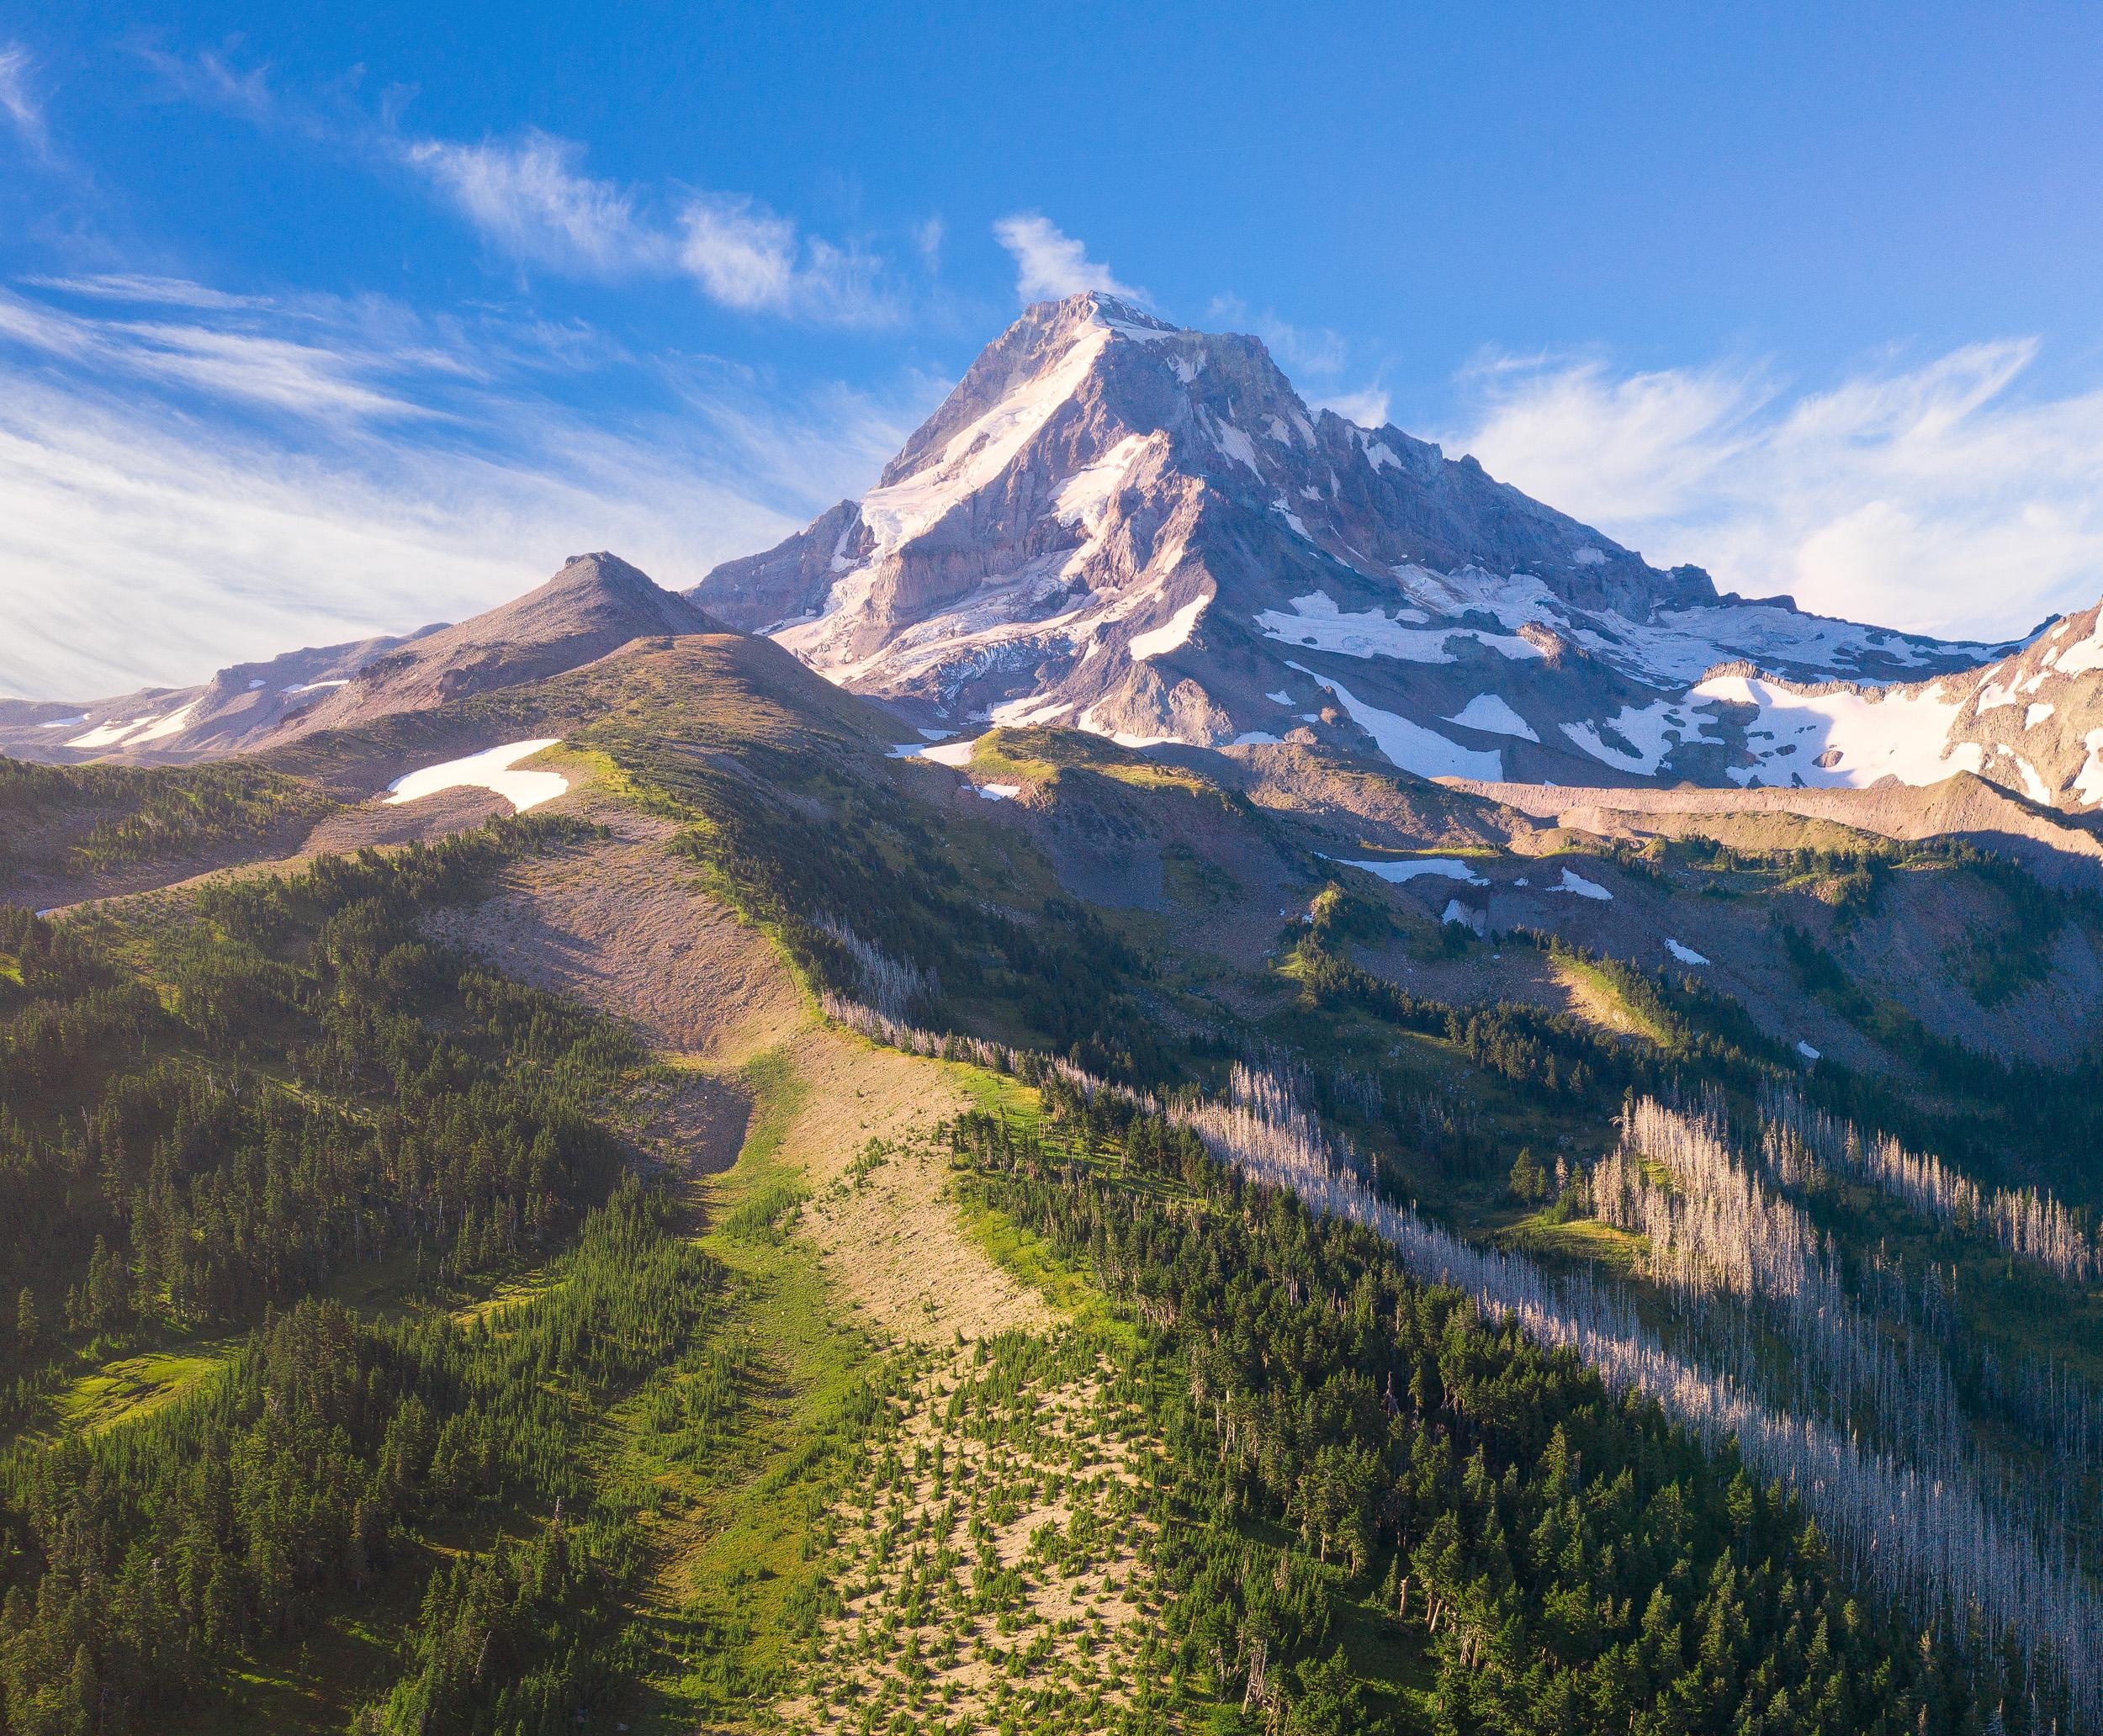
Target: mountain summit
{"points": [[596, 604], [1142, 531]]}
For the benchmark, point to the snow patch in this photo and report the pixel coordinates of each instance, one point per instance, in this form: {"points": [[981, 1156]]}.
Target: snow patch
{"points": [[2033, 785], [1171, 634], [1030, 709], [2038, 714], [315, 686], [1584, 888], [1488, 712], [1293, 521], [1254, 739], [2088, 654], [1398, 873], [1653, 732], [999, 792], [1319, 625], [1845, 740], [1992, 696], [1806, 1050], [1084, 497], [1280, 697], [1685, 955], [1411, 745], [1236, 445], [492, 769], [173, 724], [956, 752], [2088, 782]]}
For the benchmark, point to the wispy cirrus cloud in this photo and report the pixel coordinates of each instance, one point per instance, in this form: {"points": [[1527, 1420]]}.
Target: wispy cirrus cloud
{"points": [[1314, 356], [1368, 406], [1050, 264], [1936, 496], [530, 198], [745, 256], [197, 479], [533, 202], [18, 101]]}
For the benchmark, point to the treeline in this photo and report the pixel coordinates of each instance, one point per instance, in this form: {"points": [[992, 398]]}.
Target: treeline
{"points": [[101, 817], [143, 1561], [1569, 1561], [1553, 1054], [298, 1080]]}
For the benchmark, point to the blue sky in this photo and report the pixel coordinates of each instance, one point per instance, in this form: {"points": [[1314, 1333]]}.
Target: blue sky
{"points": [[313, 325]]}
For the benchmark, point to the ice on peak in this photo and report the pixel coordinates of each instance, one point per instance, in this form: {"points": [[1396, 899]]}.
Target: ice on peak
{"points": [[1122, 317], [976, 453]]}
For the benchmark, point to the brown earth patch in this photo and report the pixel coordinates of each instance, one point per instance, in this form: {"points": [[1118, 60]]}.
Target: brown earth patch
{"points": [[624, 926], [864, 1137]]}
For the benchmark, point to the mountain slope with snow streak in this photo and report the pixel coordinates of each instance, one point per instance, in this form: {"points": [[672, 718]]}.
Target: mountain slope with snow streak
{"points": [[1120, 525], [594, 605]]}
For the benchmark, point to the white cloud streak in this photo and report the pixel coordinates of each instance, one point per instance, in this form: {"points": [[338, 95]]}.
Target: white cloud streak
{"points": [[176, 496], [746, 257], [1307, 352], [1936, 497], [533, 203], [1049, 265], [17, 101], [531, 200], [1300, 350], [1368, 408]]}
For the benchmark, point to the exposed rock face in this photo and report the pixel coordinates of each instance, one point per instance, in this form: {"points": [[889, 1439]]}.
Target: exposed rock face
{"points": [[1115, 524], [2032, 721], [594, 606]]}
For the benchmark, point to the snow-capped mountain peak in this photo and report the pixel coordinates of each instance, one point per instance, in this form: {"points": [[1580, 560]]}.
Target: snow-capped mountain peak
{"points": [[1122, 524]]}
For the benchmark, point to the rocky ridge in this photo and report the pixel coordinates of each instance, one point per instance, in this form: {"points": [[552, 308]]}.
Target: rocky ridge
{"points": [[1115, 524]]}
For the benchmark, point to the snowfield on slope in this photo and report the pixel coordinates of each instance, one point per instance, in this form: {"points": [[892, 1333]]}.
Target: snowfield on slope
{"points": [[1411, 745], [1318, 625], [492, 769], [1492, 715], [1845, 740], [1398, 873], [1652, 732]]}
